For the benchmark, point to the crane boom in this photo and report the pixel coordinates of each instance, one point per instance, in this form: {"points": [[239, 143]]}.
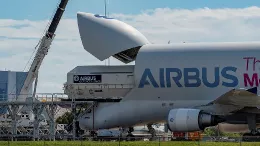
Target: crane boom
{"points": [[42, 51]]}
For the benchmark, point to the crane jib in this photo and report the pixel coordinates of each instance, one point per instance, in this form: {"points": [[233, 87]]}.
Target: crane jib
{"points": [[57, 17], [43, 49]]}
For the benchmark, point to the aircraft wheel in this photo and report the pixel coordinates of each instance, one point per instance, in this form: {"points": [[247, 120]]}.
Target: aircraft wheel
{"points": [[246, 137], [249, 137]]}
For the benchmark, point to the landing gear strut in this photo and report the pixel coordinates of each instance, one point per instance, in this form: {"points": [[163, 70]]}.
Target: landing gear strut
{"points": [[130, 136], [152, 131]]}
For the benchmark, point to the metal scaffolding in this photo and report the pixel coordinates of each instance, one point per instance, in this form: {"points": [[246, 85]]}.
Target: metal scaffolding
{"points": [[16, 123]]}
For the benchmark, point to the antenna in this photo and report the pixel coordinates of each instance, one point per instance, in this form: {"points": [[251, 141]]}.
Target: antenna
{"points": [[106, 2]]}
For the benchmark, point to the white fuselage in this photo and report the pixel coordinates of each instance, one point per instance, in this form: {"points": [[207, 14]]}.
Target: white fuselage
{"points": [[178, 76]]}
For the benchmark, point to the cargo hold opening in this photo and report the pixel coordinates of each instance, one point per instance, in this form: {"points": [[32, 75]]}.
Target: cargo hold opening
{"points": [[128, 55]]}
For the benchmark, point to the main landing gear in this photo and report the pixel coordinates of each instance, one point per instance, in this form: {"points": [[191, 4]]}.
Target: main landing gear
{"points": [[130, 136], [151, 131], [254, 135]]}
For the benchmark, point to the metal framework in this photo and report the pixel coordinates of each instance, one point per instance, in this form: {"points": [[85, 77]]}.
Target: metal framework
{"points": [[10, 126], [53, 105]]}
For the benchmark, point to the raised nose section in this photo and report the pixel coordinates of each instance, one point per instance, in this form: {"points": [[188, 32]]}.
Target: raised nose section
{"points": [[104, 37]]}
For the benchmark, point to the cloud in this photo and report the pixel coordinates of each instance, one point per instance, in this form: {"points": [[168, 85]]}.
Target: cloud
{"points": [[19, 37], [207, 25]]}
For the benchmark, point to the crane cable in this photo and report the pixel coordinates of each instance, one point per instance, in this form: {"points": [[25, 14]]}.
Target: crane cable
{"points": [[44, 32]]}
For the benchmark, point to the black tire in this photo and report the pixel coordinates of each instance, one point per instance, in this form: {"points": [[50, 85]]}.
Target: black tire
{"points": [[248, 137]]}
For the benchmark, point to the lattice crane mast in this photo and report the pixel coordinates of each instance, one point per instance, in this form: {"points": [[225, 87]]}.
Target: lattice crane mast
{"points": [[42, 51]]}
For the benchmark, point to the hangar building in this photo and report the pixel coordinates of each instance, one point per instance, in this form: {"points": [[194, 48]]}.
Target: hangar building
{"points": [[10, 85]]}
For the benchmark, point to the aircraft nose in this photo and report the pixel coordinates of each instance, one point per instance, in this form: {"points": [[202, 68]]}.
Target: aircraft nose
{"points": [[86, 122]]}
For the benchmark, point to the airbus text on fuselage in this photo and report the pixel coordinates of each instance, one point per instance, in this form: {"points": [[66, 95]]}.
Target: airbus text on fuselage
{"points": [[195, 77]]}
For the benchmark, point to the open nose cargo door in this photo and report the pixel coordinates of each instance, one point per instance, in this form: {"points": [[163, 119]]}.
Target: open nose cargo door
{"points": [[104, 37]]}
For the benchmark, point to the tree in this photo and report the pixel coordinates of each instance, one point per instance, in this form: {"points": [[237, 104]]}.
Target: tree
{"points": [[213, 131], [66, 118]]}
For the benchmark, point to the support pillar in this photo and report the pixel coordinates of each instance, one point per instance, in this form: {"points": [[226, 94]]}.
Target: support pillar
{"points": [[51, 110], [13, 113], [73, 106], [37, 111]]}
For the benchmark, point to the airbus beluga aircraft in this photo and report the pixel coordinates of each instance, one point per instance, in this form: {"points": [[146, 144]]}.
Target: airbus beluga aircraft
{"points": [[189, 86]]}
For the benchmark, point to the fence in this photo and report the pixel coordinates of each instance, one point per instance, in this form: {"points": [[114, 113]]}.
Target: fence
{"points": [[136, 141]]}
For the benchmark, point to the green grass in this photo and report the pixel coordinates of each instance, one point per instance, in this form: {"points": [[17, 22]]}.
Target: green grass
{"points": [[86, 143]]}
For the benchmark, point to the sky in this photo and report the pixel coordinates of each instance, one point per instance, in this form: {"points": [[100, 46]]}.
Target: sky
{"points": [[42, 9], [22, 23]]}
